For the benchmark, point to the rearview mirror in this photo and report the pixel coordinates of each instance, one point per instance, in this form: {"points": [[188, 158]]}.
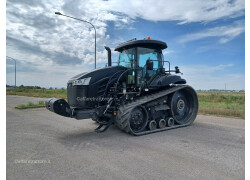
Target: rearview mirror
{"points": [[177, 70], [149, 65]]}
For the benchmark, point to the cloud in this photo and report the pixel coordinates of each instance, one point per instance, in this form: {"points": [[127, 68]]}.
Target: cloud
{"points": [[162, 10], [213, 77], [181, 10], [28, 3], [44, 34], [25, 47], [22, 66], [167, 52], [220, 67], [225, 33], [58, 41], [60, 47]]}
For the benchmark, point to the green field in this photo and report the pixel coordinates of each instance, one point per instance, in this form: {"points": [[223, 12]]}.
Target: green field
{"points": [[214, 103], [46, 93], [222, 104]]}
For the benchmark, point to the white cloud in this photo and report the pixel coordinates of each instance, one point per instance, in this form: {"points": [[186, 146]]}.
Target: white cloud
{"points": [[213, 77], [167, 52], [36, 22], [161, 10], [61, 47], [182, 10], [225, 33]]}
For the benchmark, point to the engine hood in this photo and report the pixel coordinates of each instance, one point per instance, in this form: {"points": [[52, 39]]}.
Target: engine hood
{"points": [[98, 74]]}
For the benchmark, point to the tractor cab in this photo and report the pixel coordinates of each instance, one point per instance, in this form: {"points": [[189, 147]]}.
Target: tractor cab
{"points": [[143, 57]]}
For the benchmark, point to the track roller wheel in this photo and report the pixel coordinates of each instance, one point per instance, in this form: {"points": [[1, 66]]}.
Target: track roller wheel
{"points": [[152, 125], [162, 123], [170, 122]]}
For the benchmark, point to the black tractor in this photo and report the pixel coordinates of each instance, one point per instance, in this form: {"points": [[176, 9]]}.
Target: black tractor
{"points": [[138, 94]]}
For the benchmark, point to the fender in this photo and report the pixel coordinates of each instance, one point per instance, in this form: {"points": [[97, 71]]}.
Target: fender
{"points": [[165, 80]]}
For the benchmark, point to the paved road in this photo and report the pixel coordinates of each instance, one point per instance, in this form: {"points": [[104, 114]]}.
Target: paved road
{"points": [[213, 148]]}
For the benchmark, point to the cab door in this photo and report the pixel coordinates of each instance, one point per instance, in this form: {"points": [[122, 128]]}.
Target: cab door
{"points": [[127, 59], [143, 55]]}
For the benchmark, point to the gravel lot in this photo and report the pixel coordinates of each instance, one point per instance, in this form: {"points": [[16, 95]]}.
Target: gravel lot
{"points": [[43, 145]]}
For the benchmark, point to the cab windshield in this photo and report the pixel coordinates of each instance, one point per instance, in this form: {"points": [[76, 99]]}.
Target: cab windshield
{"points": [[127, 58]]}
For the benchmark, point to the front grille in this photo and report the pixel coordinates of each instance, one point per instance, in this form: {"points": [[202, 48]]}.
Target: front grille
{"points": [[75, 93]]}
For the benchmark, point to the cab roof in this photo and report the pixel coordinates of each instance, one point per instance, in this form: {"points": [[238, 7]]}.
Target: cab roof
{"points": [[147, 43]]}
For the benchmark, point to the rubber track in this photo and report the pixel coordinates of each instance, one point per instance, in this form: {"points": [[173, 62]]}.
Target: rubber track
{"points": [[123, 115]]}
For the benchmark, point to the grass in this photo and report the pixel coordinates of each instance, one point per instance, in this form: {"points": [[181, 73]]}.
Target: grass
{"points": [[46, 93], [222, 104], [31, 104], [214, 103]]}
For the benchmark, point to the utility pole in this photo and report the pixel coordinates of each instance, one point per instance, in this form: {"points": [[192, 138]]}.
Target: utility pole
{"points": [[58, 13]]}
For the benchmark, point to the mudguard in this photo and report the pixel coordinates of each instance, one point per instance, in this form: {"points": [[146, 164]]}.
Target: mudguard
{"points": [[165, 80]]}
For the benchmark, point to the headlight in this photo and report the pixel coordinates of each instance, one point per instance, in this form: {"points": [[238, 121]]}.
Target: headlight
{"points": [[84, 81]]}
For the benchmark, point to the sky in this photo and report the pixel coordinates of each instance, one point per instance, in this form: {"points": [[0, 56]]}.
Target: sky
{"points": [[206, 39]]}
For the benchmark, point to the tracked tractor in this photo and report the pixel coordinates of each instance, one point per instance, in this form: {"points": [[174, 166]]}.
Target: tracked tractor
{"points": [[140, 94]]}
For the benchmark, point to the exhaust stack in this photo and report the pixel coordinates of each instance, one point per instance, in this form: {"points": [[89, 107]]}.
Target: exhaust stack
{"points": [[109, 55]]}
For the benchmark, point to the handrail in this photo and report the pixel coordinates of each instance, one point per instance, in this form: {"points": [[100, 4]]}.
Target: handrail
{"points": [[163, 63]]}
